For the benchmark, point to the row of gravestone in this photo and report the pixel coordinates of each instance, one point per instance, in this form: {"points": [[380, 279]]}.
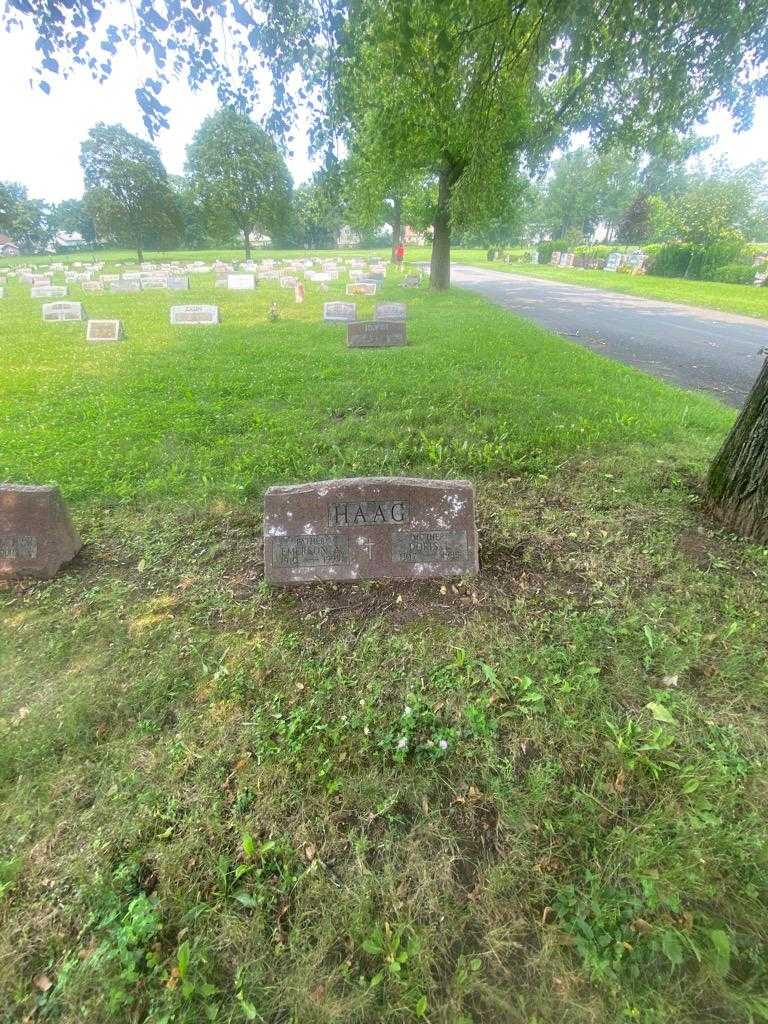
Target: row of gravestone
{"points": [[339, 530]]}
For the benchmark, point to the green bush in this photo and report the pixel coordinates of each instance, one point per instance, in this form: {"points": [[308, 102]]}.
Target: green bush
{"points": [[596, 252], [734, 273], [678, 259], [546, 248], [724, 252]]}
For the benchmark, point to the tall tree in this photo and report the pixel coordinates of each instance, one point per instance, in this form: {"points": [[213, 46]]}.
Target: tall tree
{"points": [[126, 188], [239, 174], [25, 220], [460, 88], [319, 209], [72, 216]]}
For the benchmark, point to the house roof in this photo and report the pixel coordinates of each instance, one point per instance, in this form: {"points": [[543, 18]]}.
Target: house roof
{"points": [[6, 240]]}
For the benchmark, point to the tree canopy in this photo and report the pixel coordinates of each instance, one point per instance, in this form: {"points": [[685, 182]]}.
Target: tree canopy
{"points": [[127, 192], [239, 175]]}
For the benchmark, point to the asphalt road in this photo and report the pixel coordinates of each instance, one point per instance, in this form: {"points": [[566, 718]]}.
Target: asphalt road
{"points": [[700, 349]]}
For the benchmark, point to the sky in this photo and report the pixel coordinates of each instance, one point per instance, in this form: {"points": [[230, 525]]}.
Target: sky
{"points": [[41, 135]]}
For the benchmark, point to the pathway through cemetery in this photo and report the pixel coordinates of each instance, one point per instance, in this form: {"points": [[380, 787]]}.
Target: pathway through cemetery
{"points": [[701, 349]]}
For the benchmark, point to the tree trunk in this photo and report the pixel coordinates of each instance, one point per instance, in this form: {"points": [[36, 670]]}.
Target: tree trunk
{"points": [[247, 242], [440, 268], [738, 479], [139, 251], [397, 224]]}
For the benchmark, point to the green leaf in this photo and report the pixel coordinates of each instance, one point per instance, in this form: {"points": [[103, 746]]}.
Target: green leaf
{"points": [[722, 947], [182, 958], [372, 947], [249, 847], [671, 948], [421, 1006], [661, 714]]}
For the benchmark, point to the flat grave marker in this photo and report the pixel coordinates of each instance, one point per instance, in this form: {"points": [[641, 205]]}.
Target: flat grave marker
{"points": [[93, 286], [36, 533], [126, 285], [390, 311], [376, 334], [201, 315], [48, 291], [341, 312], [62, 311], [411, 281], [362, 288], [178, 283], [370, 528], [241, 282], [104, 330]]}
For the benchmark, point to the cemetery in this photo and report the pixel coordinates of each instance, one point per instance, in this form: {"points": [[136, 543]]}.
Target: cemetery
{"points": [[369, 652]]}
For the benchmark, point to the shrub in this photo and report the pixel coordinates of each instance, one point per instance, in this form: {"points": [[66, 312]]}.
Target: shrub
{"points": [[546, 248], [724, 252], [595, 252], [678, 259], [734, 273]]}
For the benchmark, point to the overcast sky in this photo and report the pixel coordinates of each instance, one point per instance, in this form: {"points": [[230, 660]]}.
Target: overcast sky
{"points": [[41, 134]]}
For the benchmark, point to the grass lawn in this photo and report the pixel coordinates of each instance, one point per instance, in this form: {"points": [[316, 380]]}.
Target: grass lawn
{"points": [[730, 298], [207, 812]]}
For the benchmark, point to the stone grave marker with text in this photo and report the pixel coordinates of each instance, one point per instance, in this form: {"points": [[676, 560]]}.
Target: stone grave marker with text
{"points": [[339, 311], [194, 315], [48, 291], [370, 528], [62, 311], [129, 285], [362, 288], [241, 282], [411, 281], [36, 533], [376, 334], [178, 283], [390, 311], [93, 286], [104, 330]]}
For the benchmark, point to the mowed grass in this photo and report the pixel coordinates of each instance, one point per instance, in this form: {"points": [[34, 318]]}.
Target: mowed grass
{"points": [[208, 810], [729, 298]]}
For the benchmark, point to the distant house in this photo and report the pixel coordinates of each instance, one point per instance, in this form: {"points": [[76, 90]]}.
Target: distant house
{"points": [[68, 240], [8, 247]]}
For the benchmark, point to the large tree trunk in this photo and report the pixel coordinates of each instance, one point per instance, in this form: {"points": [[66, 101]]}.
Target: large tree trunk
{"points": [[139, 251], [440, 268], [247, 242], [738, 479], [397, 224]]}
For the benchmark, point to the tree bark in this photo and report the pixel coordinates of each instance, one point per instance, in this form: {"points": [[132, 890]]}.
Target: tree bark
{"points": [[440, 267], [397, 224], [738, 478], [247, 242], [139, 251]]}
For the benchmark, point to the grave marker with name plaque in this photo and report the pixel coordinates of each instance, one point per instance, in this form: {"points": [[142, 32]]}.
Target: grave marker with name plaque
{"points": [[241, 282], [376, 334], [178, 283], [342, 312], [370, 528], [194, 315], [126, 285], [48, 291], [36, 534], [390, 311], [362, 288], [104, 330], [93, 286], [62, 311]]}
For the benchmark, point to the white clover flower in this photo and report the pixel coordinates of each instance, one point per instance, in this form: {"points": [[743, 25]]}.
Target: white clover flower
{"points": [[443, 744], [402, 743], [408, 711]]}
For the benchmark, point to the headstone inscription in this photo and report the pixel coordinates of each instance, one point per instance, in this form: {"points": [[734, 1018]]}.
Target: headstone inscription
{"points": [[361, 288], [48, 291], [194, 314], [104, 330], [241, 282], [339, 311], [370, 528], [93, 286], [390, 311], [376, 334], [62, 311], [36, 534]]}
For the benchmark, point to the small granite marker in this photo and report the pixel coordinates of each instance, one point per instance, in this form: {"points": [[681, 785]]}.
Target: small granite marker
{"points": [[370, 528], [194, 314], [390, 311], [36, 534], [362, 288], [104, 330], [241, 282], [376, 334], [62, 311], [339, 311]]}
